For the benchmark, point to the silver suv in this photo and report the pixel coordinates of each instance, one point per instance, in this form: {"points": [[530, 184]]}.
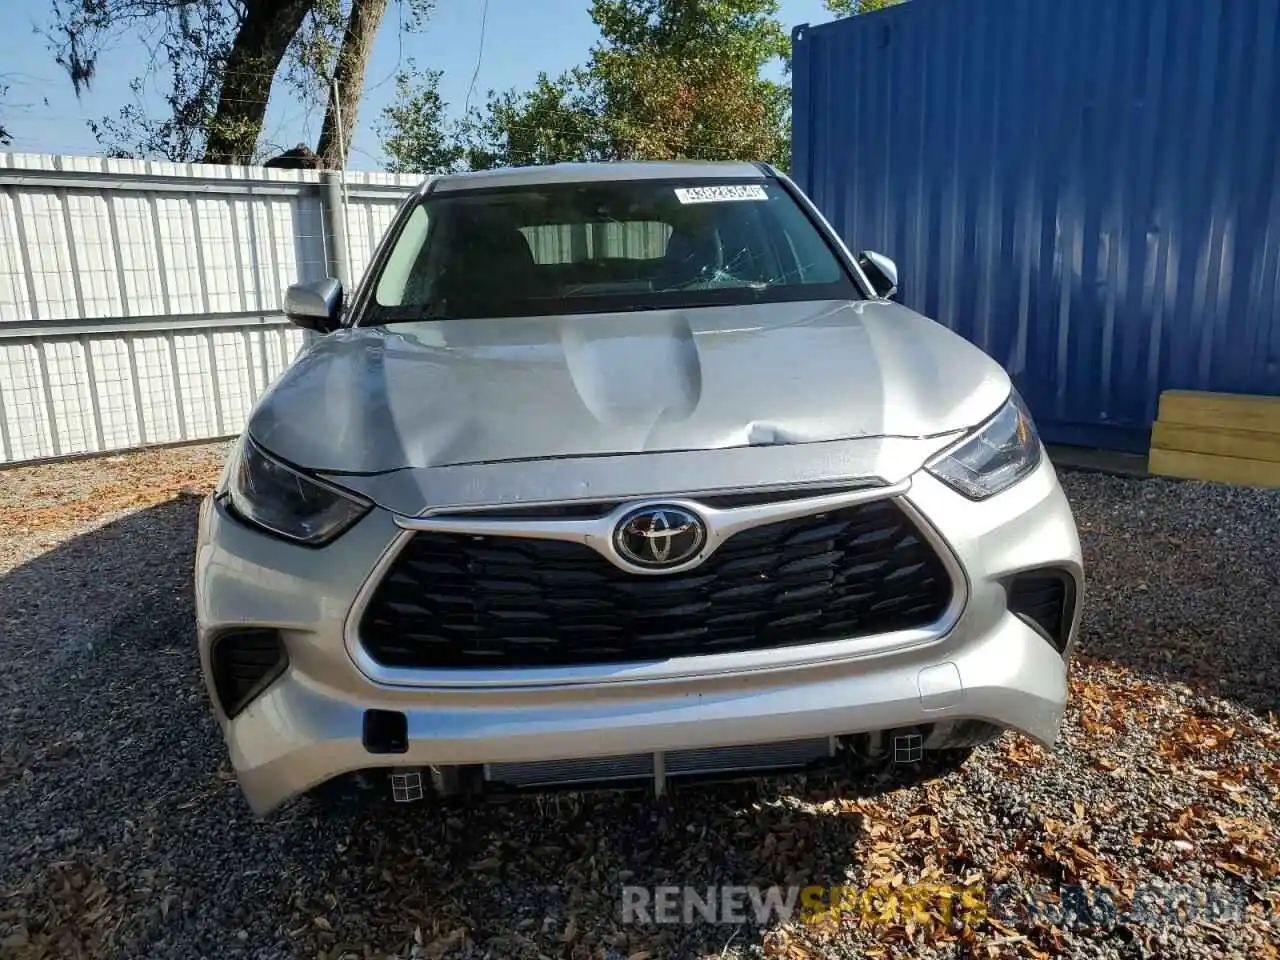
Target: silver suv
{"points": [[626, 473]]}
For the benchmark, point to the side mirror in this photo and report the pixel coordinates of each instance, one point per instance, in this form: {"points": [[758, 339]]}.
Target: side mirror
{"points": [[316, 305], [881, 271]]}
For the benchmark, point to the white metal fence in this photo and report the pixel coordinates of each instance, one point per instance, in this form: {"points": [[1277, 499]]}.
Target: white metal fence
{"points": [[140, 302]]}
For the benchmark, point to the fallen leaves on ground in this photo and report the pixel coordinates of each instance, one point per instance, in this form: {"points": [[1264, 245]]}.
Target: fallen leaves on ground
{"points": [[47, 496]]}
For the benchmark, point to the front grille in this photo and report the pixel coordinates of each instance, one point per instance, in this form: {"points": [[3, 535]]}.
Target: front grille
{"points": [[461, 601]]}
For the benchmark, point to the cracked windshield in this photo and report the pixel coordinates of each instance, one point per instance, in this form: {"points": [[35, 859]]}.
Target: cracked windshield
{"points": [[622, 245]]}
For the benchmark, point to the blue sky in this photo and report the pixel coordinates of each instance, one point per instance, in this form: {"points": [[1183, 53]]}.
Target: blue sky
{"points": [[522, 37]]}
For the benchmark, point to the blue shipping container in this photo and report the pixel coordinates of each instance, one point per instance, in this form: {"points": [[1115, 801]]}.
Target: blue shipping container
{"points": [[1090, 191]]}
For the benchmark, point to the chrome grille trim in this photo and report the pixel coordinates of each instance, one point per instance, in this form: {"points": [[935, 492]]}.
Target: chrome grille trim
{"points": [[594, 507], [597, 533]]}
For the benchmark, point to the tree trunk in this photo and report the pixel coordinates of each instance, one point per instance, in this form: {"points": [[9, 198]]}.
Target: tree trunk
{"points": [[353, 60], [268, 28]]}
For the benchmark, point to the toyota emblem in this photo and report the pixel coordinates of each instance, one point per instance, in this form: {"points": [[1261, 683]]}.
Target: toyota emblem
{"points": [[659, 536]]}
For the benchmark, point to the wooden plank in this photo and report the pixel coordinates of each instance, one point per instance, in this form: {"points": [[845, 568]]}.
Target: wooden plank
{"points": [[1231, 411], [1243, 444], [1204, 466]]}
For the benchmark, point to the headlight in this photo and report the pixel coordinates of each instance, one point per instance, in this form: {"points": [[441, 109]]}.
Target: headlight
{"points": [[1002, 451], [264, 491]]}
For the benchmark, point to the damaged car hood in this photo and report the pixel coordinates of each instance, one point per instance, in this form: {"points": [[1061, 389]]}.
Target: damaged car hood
{"points": [[450, 392]]}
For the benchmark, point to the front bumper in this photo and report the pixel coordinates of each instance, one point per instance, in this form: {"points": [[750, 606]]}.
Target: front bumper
{"points": [[306, 727]]}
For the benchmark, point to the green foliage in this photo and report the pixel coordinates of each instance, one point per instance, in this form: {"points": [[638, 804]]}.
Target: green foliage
{"points": [[683, 79], [742, 34], [308, 68], [850, 8], [414, 134], [555, 122], [669, 79], [551, 123], [187, 40], [191, 43]]}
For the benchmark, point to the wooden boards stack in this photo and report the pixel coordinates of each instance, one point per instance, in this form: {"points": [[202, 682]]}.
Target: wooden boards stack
{"points": [[1228, 437]]}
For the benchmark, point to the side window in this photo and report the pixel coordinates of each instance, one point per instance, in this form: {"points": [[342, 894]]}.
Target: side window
{"points": [[404, 270], [556, 243]]}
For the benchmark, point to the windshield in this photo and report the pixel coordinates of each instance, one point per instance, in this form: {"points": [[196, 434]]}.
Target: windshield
{"points": [[597, 247]]}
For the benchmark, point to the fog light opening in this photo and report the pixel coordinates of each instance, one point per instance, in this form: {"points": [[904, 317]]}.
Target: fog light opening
{"points": [[1045, 600], [245, 662]]}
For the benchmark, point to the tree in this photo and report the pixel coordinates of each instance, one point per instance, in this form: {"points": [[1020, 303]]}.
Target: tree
{"points": [[224, 56], [263, 35], [850, 8], [348, 80], [558, 121], [551, 123], [670, 78], [682, 79], [191, 39], [221, 59], [414, 131]]}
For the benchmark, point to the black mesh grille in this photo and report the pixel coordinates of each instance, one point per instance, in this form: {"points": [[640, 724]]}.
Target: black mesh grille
{"points": [[454, 600]]}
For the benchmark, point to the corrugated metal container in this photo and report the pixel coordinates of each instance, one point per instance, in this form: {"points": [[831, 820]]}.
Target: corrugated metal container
{"points": [[1090, 191]]}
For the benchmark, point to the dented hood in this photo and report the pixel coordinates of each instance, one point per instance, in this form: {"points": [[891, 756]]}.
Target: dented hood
{"points": [[444, 393]]}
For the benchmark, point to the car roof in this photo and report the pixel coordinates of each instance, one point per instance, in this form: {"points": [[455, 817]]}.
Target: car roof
{"points": [[596, 173]]}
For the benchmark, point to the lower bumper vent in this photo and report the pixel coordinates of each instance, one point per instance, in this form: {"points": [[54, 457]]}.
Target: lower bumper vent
{"points": [[675, 763], [1045, 598], [245, 663]]}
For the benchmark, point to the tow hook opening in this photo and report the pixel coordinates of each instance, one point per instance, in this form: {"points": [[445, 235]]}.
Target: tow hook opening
{"points": [[386, 731]]}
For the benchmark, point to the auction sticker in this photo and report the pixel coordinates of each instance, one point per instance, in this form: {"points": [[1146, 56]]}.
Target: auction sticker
{"points": [[720, 193]]}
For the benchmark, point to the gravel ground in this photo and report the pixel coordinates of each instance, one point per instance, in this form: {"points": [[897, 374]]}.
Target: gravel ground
{"points": [[122, 833]]}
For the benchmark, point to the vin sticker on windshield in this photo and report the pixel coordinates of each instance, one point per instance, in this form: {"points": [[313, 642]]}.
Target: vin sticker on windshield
{"points": [[720, 193]]}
